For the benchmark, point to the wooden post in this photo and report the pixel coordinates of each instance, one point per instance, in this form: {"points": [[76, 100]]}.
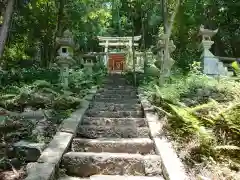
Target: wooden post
{"points": [[133, 53]]}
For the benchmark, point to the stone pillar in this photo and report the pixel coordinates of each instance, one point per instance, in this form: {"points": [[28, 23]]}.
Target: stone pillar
{"points": [[169, 63], [130, 55], [164, 67], [211, 64], [64, 75], [106, 56]]}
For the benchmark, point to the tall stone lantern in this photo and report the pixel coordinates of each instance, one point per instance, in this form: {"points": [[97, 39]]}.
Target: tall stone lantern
{"points": [[211, 64], [65, 56], [165, 67]]}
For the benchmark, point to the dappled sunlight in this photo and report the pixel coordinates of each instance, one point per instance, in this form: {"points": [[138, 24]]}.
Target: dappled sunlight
{"points": [[147, 89]]}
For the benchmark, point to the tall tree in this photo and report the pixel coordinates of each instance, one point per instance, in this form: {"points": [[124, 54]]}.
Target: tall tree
{"points": [[164, 14], [6, 24]]}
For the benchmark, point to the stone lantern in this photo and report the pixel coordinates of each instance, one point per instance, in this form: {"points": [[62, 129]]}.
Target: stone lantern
{"points": [[169, 63], [65, 56], [211, 64], [88, 64], [165, 67]]}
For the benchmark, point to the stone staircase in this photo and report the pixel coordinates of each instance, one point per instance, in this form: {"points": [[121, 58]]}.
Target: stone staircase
{"points": [[112, 141]]}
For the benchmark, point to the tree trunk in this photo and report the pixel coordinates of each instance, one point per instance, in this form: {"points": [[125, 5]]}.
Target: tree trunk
{"points": [[59, 29], [168, 35], [5, 26], [60, 16], [165, 15]]}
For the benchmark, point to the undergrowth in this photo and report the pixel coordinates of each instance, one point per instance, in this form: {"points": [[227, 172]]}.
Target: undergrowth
{"points": [[202, 117], [33, 90]]}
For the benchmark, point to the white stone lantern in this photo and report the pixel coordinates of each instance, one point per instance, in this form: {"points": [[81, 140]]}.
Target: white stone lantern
{"points": [[211, 64], [65, 56]]}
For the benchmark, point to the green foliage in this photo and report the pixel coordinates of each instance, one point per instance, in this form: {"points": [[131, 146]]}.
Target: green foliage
{"points": [[80, 79], [200, 110], [42, 93], [41, 84], [29, 75], [64, 102]]}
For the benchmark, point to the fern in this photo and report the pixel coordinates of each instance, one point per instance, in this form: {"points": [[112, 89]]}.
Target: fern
{"points": [[41, 84], [228, 147]]}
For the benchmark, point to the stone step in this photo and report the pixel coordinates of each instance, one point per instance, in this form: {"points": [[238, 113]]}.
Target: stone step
{"points": [[72, 178], [116, 84], [119, 87], [114, 114], [118, 101], [120, 79], [116, 96], [93, 132], [117, 91], [113, 145], [116, 81], [112, 177], [107, 106], [117, 177], [85, 164], [100, 121]]}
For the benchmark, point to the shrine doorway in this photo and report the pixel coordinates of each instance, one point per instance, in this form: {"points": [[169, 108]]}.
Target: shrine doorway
{"points": [[116, 62]]}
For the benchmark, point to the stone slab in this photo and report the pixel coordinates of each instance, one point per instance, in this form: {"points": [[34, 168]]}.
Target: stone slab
{"points": [[114, 114], [116, 96], [152, 164], [112, 177], [29, 150], [116, 99], [85, 164], [155, 126], [119, 87], [138, 122], [36, 115], [40, 171], [72, 178], [117, 177], [119, 101], [93, 132], [70, 124], [108, 106], [117, 91], [56, 148], [172, 167], [131, 145], [112, 92]]}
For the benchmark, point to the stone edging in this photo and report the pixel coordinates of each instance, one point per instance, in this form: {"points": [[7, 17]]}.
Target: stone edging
{"points": [[172, 166], [47, 164]]}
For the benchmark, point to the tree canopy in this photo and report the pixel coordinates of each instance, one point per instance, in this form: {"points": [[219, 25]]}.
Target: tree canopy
{"points": [[35, 24]]}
